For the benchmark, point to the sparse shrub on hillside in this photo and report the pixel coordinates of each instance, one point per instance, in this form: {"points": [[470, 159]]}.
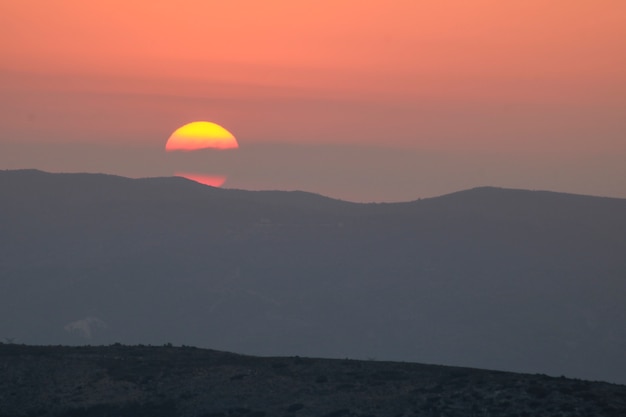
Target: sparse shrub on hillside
{"points": [[295, 407], [338, 413], [538, 391]]}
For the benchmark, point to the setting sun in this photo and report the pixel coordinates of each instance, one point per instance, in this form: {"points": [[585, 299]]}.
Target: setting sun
{"points": [[200, 135]]}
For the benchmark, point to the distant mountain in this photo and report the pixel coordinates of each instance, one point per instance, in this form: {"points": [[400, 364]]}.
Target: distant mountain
{"points": [[524, 281], [137, 381]]}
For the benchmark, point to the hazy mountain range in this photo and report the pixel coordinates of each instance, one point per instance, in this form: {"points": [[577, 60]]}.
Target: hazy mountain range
{"points": [[516, 280]]}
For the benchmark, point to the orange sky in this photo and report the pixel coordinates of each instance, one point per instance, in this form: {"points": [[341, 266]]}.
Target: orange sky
{"points": [[445, 75]]}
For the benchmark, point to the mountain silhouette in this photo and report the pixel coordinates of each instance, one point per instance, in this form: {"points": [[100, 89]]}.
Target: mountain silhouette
{"points": [[516, 280]]}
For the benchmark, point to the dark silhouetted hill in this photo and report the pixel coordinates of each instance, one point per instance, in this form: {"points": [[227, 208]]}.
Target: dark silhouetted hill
{"points": [[516, 280], [166, 381]]}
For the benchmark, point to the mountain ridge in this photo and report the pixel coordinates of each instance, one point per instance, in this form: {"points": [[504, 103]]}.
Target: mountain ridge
{"points": [[489, 278], [478, 190]]}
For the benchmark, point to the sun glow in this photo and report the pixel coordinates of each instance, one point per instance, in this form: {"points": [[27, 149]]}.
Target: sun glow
{"points": [[200, 135], [212, 180]]}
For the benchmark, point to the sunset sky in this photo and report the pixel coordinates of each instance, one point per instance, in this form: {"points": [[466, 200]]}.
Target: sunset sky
{"points": [[361, 100]]}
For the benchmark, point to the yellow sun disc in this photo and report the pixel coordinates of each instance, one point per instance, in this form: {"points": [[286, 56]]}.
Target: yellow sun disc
{"points": [[200, 135]]}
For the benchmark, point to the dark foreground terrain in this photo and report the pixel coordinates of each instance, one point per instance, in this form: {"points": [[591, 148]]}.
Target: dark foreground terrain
{"points": [[182, 381]]}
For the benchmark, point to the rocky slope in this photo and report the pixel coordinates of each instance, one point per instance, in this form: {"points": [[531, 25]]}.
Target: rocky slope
{"points": [[137, 381]]}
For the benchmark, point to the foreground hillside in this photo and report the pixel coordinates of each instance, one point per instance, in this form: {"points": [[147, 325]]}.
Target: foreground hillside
{"points": [[172, 381], [515, 280]]}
